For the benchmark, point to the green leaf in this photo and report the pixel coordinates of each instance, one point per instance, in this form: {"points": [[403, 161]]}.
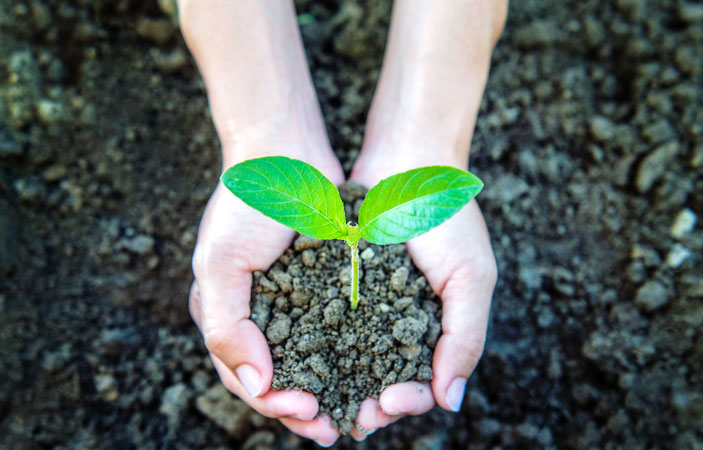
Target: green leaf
{"points": [[291, 192], [408, 204]]}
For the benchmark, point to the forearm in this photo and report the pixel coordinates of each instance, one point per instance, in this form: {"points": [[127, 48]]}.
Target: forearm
{"points": [[434, 73], [251, 57]]}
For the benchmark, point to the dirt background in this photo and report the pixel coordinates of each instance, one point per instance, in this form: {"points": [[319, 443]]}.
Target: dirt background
{"points": [[589, 141]]}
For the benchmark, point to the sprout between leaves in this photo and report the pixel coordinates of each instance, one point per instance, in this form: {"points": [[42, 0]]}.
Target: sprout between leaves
{"points": [[397, 209]]}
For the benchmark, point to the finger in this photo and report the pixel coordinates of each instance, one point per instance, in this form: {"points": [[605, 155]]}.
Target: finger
{"points": [[274, 404], [411, 398], [194, 303], [466, 300], [370, 418], [221, 308], [319, 430]]}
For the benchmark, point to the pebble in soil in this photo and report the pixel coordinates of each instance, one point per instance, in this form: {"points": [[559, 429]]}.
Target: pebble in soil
{"points": [[320, 345]]}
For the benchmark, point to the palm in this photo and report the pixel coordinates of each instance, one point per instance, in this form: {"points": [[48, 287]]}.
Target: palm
{"points": [[233, 241], [457, 251], [236, 236], [458, 262]]}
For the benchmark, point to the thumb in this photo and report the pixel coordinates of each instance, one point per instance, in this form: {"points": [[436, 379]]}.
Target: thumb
{"points": [[466, 299], [239, 350], [221, 311]]}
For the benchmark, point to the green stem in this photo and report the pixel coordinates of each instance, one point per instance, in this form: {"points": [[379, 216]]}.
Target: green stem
{"points": [[354, 293]]}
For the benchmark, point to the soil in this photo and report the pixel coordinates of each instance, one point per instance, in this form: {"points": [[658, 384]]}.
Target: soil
{"points": [[320, 345], [590, 144]]}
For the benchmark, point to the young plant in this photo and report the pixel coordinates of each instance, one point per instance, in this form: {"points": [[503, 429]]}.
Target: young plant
{"points": [[396, 210]]}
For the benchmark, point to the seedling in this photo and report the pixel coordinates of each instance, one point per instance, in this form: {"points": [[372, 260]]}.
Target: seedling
{"points": [[396, 210]]}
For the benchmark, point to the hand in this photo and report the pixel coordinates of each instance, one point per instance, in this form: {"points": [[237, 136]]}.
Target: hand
{"points": [[233, 241], [423, 113], [458, 262]]}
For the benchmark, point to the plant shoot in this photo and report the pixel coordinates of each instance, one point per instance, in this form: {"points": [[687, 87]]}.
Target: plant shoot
{"points": [[397, 209]]}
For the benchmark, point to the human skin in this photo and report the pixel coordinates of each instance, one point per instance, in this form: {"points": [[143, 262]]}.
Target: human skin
{"points": [[263, 103], [423, 113]]}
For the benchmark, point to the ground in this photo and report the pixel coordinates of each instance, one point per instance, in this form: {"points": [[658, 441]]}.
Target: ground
{"points": [[589, 140]]}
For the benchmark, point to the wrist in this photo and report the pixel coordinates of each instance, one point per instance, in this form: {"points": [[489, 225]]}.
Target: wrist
{"points": [[412, 142], [293, 140], [393, 153], [434, 73], [431, 106], [259, 88], [276, 139], [435, 109]]}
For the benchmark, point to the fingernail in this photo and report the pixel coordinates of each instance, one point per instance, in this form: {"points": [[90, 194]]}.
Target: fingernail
{"points": [[455, 393], [386, 403], [366, 433], [363, 430], [250, 379], [324, 445], [307, 419]]}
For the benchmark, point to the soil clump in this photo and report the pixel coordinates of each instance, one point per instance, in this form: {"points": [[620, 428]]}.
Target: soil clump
{"points": [[320, 345]]}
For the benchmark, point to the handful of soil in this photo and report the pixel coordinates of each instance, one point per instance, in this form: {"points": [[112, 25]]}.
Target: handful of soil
{"points": [[320, 345]]}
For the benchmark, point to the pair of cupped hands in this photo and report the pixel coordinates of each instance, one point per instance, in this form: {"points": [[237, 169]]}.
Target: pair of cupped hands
{"points": [[235, 240]]}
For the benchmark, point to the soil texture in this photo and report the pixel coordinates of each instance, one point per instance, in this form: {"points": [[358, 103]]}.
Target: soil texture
{"points": [[320, 345], [590, 143]]}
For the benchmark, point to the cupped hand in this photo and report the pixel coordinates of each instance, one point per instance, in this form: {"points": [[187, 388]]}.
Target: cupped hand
{"points": [[458, 262], [233, 241]]}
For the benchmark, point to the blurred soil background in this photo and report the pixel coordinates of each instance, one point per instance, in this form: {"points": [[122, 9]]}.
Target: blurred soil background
{"points": [[590, 141]]}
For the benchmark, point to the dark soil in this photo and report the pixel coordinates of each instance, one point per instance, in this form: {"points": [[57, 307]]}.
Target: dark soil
{"points": [[590, 143], [321, 346]]}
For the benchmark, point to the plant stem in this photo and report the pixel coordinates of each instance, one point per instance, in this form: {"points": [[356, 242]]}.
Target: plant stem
{"points": [[354, 293]]}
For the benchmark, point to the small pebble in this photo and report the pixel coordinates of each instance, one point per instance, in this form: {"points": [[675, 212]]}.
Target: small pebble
{"points": [[171, 61], [652, 295], [106, 386], [308, 257], [350, 191], [690, 12], [408, 330], [654, 165], [684, 223], [158, 31], [279, 329], [368, 254], [334, 312], [306, 242], [399, 278], [175, 400], [299, 298], [410, 352], [267, 284], [30, 190], [601, 128], [55, 173], [345, 276], [140, 244], [658, 132], [53, 362], [50, 111], [283, 280], [282, 303], [677, 256]]}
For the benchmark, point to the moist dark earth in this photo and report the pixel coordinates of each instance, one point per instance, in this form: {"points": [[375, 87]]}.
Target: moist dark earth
{"points": [[590, 143], [320, 345]]}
